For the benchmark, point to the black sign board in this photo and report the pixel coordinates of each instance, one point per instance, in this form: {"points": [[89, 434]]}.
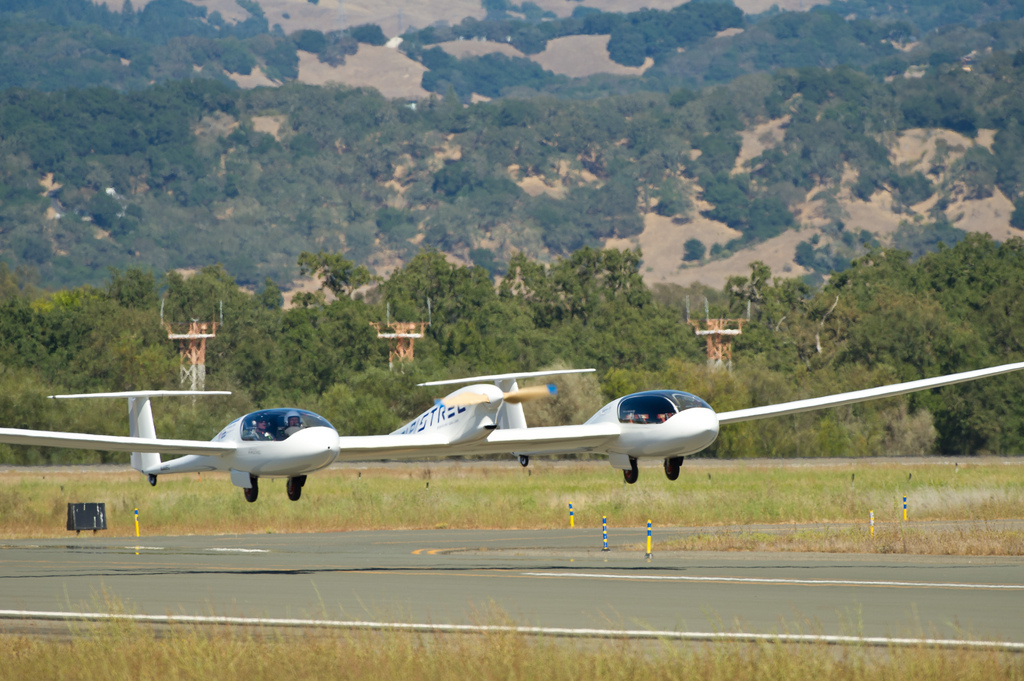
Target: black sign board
{"points": [[87, 517]]}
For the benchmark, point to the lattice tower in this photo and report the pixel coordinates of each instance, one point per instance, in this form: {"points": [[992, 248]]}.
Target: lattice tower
{"points": [[192, 344], [403, 336]]}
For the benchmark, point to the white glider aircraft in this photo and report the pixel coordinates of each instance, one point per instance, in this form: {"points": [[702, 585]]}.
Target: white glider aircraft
{"points": [[484, 418]]}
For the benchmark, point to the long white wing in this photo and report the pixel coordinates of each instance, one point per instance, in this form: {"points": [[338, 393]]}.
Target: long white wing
{"points": [[547, 440], [113, 443], [862, 395]]}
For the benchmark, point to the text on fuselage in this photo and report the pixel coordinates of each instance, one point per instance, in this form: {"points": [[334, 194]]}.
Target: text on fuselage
{"points": [[434, 416]]}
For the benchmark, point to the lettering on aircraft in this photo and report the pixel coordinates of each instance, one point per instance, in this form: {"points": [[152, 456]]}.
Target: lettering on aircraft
{"points": [[438, 414]]}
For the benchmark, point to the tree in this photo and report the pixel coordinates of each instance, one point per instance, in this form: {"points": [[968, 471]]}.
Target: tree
{"points": [[693, 249], [371, 34], [133, 288], [337, 274], [673, 198], [310, 41]]}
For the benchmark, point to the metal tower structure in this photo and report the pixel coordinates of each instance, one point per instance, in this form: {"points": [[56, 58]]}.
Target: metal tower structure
{"points": [[402, 335], [191, 337], [718, 335]]}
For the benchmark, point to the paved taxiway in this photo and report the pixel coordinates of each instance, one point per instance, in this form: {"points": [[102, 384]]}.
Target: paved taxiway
{"points": [[548, 578]]}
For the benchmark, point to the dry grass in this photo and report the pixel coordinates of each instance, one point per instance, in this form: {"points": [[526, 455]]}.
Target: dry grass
{"points": [[33, 503], [967, 539], [388, 70], [125, 651], [579, 56], [777, 253]]}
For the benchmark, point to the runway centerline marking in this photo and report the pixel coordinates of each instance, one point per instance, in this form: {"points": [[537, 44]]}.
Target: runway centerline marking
{"points": [[779, 580], [240, 550]]}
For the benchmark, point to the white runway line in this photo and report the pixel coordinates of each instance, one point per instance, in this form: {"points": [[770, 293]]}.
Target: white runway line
{"points": [[240, 550], [767, 580], [533, 631]]}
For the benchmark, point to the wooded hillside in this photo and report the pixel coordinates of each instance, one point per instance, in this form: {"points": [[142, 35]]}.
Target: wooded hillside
{"points": [[192, 173], [169, 165]]}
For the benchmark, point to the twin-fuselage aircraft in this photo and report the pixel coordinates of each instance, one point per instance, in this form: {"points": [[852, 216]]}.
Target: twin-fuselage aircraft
{"points": [[484, 418]]}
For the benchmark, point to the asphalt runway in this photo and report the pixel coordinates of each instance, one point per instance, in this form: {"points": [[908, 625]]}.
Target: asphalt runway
{"points": [[544, 578]]}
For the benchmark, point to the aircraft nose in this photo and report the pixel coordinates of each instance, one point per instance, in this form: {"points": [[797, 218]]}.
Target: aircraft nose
{"points": [[318, 442], [328, 441], [705, 425]]}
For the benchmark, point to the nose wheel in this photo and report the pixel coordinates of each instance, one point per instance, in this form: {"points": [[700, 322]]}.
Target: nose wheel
{"points": [[251, 493], [524, 460], [633, 474], [152, 480], [295, 487], [672, 467]]}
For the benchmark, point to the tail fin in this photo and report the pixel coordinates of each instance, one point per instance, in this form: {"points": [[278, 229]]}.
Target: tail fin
{"points": [[140, 418], [510, 415], [140, 424]]}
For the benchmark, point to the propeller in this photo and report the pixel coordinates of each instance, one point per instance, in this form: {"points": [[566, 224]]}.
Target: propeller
{"points": [[515, 397]]}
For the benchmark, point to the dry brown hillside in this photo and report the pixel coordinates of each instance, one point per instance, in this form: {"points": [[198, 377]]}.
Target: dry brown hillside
{"points": [[933, 152]]}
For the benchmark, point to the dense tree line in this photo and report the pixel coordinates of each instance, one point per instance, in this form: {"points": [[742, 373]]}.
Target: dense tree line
{"points": [[885, 319]]}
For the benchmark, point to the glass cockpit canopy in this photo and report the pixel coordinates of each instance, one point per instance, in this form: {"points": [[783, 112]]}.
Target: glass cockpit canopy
{"points": [[279, 424], [657, 406]]}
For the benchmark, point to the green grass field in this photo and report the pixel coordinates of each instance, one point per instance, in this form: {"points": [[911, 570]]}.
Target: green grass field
{"points": [[709, 495]]}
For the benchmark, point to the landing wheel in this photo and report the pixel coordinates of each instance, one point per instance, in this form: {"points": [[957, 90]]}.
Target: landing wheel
{"points": [[524, 460], [152, 480], [295, 487], [633, 474], [672, 467], [251, 493]]}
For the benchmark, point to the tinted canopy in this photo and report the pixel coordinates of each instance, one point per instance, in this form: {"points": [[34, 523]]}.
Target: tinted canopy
{"points": [[657, 406], [279, 424]]}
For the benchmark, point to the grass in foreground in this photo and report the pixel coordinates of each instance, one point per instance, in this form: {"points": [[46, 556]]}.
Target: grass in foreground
{"points": [[500, 496], [128, 651]]}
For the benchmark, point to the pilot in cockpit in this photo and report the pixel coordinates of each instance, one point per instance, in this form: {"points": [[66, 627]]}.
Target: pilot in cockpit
{"points": [[261, 432], [293, 423]]}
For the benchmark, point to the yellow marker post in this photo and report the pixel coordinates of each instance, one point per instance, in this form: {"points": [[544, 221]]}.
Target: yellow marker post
{"points": [[136, 522], [572, 519], [872, 523], [648, 556], [904, 509]]}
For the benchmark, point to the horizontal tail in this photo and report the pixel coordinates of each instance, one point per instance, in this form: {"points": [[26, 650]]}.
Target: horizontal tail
{"points": [[503, 380], [140, 418], [142, 393]]}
